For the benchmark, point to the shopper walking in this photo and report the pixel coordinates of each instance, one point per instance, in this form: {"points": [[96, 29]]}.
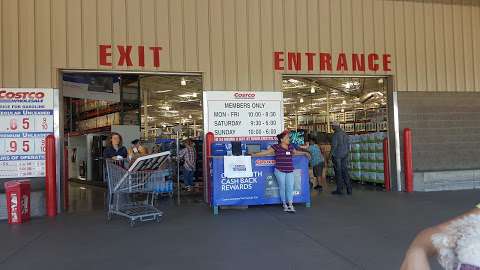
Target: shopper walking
{"points": [[284, 152], [187, 154], [340, 150], [115, 149], [316, 162]]}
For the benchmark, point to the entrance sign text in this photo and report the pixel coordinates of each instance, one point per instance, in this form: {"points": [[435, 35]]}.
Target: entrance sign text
{"points": [[327, 62]]}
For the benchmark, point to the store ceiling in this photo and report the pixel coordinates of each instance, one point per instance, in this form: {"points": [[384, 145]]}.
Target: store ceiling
{"points": [[343, 93], [169, 102]]}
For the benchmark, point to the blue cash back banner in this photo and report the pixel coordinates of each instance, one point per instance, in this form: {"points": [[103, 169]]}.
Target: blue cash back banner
{"points": [[260, 189]]}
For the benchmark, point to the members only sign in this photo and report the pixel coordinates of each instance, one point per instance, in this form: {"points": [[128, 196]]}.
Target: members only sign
{"points": [[243, 116], [26, 118]]}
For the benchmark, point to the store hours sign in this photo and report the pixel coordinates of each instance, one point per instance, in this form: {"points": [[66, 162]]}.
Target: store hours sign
{"points": [[26, 118], [243, 116]]}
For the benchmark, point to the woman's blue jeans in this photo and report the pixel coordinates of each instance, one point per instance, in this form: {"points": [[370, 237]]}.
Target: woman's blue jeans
{"points": [[285, 183]]}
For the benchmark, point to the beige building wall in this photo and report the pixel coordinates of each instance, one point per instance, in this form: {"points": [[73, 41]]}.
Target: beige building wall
{"points": [[435, 44]]}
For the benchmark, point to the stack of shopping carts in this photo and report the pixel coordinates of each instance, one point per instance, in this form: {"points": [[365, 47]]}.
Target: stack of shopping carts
{"points": [[132, 191]]}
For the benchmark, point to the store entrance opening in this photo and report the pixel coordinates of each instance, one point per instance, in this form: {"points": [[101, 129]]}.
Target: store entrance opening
{"points": [[358, 105], [151, 112]]}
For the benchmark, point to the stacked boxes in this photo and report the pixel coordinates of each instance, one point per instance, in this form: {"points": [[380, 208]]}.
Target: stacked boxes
{"points": [[366, 157]]}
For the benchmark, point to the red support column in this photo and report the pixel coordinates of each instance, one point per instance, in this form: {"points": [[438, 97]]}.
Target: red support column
{"points": [[210, 138], [386, 165], [50, 176], [65, 179], [407, 151]]}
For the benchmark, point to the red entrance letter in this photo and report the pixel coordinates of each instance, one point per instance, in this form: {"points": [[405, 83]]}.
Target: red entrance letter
{"points": [[310, 56], [141, 56], [104, 52], [325, 62], [156, 56], [278, 60], [372, 62], [125, 52], [342, 62], [294, 59], [358, 62], [386, 62]]}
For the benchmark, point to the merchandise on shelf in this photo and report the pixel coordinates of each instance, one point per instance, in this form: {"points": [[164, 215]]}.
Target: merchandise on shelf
{"points": [[366, 157]]}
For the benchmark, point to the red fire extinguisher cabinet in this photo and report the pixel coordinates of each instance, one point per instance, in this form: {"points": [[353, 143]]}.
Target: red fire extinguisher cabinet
{"points": [[18, 201]]}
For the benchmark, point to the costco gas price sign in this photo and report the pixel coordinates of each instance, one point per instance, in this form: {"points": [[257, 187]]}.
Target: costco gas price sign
{"points": [[243, 116], [26, 118]]}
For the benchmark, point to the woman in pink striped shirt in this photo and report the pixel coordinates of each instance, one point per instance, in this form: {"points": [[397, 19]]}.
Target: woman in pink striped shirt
{"points": [[283, 152]]}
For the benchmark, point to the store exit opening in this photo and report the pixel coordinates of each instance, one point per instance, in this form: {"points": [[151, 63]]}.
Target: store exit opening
{"points": [[148, 111]]}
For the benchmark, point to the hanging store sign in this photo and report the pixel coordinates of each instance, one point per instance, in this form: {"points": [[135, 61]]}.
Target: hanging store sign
{"points": [[26, 118], [243, 116], [297, 61], [91, 86]]}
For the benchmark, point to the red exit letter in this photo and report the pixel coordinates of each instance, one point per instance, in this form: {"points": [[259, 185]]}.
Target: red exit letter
{"points": [[386, 62], [141, 56], [125, 52], [104, 52], [278, 60], [156, 56]]}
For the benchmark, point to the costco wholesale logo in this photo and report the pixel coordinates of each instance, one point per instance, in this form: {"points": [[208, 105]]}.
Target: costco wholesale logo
{"points": [[21, 95], [244, 95], [265, 162]]}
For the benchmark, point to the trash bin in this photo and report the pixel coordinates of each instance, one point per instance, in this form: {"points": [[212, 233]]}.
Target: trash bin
{"points": [[18, 201]]}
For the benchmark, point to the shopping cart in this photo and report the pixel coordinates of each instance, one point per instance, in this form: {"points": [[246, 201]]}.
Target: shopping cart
{"points": [[131, 192]]}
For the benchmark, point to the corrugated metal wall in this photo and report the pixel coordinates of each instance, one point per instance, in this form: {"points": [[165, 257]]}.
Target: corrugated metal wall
{"points": [[435, 44]]}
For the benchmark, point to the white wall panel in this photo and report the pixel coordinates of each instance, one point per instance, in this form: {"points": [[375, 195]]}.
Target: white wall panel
{"points": [[434, 45]]}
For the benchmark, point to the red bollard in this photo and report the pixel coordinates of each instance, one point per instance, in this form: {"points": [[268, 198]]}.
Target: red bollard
{"points": [[50, 176], [386, 165], [210, 138], [407, 151], [65, 178]]}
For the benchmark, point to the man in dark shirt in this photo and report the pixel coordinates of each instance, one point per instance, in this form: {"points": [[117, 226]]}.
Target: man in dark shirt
{"points": [[340, 150]]}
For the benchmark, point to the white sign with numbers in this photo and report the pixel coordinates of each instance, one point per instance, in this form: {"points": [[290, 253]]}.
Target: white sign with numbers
{"points": [[243, 116], [26, 119]]}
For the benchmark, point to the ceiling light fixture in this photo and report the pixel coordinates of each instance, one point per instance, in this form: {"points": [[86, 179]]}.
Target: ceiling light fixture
{"points": [[312, 90], [190, 116], [380, 81], [301, 100], [195, 94], [163, 91], [183, 82], [344, 102]]}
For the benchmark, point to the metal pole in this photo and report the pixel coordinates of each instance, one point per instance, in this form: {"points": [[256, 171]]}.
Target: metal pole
{"points": [[194, 128], [328, 111], [145, 113], [178, 168]]}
